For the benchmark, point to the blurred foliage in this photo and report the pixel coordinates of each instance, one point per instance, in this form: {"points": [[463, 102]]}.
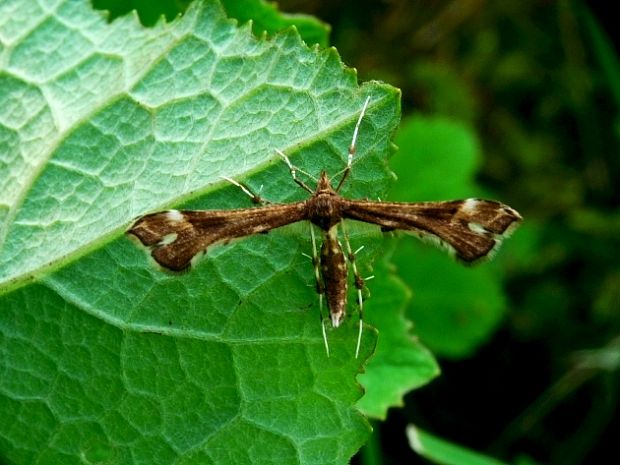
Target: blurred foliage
{"points": [[440, 451], [538, 82]]}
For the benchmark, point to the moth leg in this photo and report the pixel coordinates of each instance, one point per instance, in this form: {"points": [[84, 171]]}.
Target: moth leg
{"points": [[323, 325], [353, 146], [320, 287], [293, 169], [359, 284], [256, 198]]}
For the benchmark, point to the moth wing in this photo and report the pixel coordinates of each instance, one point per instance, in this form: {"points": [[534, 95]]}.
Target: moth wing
{"points": [[175, 237], [471, 228]]}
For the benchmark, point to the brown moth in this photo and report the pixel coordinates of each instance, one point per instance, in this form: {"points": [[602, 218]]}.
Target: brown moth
{"points": [[472, 229]]}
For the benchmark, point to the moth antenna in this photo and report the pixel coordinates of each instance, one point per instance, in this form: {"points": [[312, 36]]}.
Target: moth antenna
{"points": [[353, 146], [293, 169]]}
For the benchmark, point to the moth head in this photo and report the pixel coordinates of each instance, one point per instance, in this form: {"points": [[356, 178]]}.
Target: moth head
{"points": [[323, 185]]}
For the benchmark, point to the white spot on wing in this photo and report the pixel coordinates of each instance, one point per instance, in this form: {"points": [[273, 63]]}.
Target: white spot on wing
{"points": [[168, 239], [470, 205], [477, 228], [174, 216]]}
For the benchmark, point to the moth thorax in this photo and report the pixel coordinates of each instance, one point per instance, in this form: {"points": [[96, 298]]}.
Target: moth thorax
{"points": [[324, 211]]}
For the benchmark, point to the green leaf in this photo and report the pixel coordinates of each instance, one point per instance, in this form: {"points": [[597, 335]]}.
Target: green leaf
{"points": [[400, 362], [454, 308], [104, 357], [443, 452]]}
